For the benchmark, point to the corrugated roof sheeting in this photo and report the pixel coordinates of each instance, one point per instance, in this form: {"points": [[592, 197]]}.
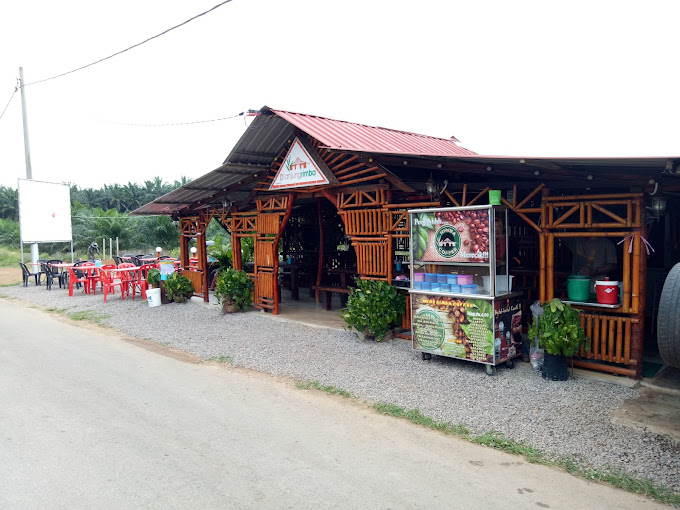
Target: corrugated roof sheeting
{"points": [[342, 135]]}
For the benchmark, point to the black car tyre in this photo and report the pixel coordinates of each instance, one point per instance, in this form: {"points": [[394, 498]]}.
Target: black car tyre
{"points": [[668, 320]]}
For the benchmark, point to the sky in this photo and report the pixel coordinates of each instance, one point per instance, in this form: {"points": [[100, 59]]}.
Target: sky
{"points": [[522, 78]]}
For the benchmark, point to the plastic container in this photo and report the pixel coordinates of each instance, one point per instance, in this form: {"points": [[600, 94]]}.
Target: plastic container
{"points": [[501, 284], [455, 289], [464, 279], [578, 287], [452, 279], [425, 285], [435, 287], [441, 278], [607, 291], [418, 277], [431, 277], [445, 287], [417, 285], [468, 289], [495, 197], [153, 297]]}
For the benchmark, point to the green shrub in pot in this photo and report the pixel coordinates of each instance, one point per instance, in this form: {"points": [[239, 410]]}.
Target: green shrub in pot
{"points": [[373, 307], [559, 329], [153, 278], [178, 288], [234, 290]]}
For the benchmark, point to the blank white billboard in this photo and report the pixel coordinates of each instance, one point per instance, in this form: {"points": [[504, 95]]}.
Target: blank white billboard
{"points": [[44, 211]]}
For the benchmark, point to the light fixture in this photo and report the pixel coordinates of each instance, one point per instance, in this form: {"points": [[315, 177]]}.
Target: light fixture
{"points": [[659, 205], [158, 249], [590, 177], [433, 189], [488, 168], [536, 172], [193, 250]]}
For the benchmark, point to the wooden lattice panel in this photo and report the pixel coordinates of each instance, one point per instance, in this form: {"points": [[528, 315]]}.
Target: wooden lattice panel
{"points": [[610, 338], [243, 224], [268, 223], [273, 204], [364, 222], [265, 287], [196, 278], [265, 253], [361, 198], [397, 221], [371, 257], [577, 212]]}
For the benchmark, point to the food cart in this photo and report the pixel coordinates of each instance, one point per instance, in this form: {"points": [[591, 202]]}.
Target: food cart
{"points": [[462, 304]]}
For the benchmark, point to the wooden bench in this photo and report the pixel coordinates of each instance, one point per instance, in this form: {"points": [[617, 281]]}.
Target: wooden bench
{"points": [[329, 292]]}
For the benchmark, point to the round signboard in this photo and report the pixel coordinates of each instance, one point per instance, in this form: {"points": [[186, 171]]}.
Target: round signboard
{"points": [[447, 241], [428, 330]]}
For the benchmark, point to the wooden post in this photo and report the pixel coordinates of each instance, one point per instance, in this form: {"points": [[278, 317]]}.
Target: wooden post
{"points": [[319, 272], [550, 256], [236, 256], [541, 270]]}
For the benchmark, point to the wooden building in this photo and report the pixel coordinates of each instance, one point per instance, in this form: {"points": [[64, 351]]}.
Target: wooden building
{"points": [[300, 186]]}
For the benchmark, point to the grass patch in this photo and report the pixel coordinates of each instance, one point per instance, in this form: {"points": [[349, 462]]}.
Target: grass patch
{"points": [[316, 385], [533, 455], [223, 359], [11, 284], [88, 315]]}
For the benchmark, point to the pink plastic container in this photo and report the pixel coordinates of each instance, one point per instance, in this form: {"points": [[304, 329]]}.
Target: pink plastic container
{"points": [[418, 277], [464, 279]]}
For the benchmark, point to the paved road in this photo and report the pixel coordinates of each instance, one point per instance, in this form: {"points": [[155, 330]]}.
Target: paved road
{"points": [[89, 420]]}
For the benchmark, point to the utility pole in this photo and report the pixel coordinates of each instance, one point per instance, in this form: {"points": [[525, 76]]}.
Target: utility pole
{"points": [[27, 151]]}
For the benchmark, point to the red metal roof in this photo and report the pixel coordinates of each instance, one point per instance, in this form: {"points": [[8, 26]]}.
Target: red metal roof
{"points": [[348, 136]]}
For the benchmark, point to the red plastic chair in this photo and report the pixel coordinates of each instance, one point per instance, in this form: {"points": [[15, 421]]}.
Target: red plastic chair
{"points": [[76, 276], [136, 280], [110, 281]]}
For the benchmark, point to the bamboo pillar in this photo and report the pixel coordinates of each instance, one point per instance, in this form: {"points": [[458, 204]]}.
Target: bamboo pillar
{"points": [[638, 339], [541, 270], [319, 271], [550, 256], [236, 255]]}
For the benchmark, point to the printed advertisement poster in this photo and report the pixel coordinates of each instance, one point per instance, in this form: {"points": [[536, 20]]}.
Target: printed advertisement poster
{"points": [[451, 236], [508, 328], [465, 327]]}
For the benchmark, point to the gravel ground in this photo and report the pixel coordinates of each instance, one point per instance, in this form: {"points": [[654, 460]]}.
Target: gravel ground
{"points": [[570, 419]]}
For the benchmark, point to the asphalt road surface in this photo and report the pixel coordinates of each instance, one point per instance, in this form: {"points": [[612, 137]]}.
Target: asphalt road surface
{"points": [[89, 419]]}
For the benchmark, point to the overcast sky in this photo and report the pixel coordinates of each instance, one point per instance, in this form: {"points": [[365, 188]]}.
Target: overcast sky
{"points": [[506, 78]]}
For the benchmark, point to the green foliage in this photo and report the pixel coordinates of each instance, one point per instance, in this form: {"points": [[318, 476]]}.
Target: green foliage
{"points": [[559, 329], [178, 288], [235, 285], [153, 277], [374, 306], [9, 232]]}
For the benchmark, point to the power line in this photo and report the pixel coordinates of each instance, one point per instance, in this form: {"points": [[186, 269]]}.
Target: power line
{"points": [[127, 49], [176, 123], [10, 100]]}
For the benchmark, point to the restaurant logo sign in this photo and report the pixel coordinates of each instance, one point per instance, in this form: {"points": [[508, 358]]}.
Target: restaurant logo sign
{"points": [[447, 241], [298, 169]]}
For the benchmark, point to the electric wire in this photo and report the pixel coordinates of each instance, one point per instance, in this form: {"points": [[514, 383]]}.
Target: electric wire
{"points": [[176, 123], [127, 49], [8, 102]]}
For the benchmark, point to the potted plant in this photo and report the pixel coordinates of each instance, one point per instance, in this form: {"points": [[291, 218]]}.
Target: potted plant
{"points": [[178, 288], [153, 278], [560, 334], [373, 307], [234, 290]]}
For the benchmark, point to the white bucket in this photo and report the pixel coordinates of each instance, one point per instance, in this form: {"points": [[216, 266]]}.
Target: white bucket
{"points": [[153, 297]]}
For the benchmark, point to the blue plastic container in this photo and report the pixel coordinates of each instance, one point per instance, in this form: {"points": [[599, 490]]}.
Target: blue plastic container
{"points": [[455, 289], [469, 289], [435, 287], [452, 279], [425, 285], [445, 287], [441, 278], [417, 285], [431, 277]]}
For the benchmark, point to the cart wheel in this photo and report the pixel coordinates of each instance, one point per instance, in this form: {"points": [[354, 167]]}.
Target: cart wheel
{"points": [[510, 364], [490, 370], [426, 356]]}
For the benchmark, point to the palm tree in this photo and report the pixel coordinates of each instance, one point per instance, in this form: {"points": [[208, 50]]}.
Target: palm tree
{"points": [[9, 203]]}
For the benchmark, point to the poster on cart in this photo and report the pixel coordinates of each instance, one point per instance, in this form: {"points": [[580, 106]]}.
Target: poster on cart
{"points": [[451, 236], [467, 328]]}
